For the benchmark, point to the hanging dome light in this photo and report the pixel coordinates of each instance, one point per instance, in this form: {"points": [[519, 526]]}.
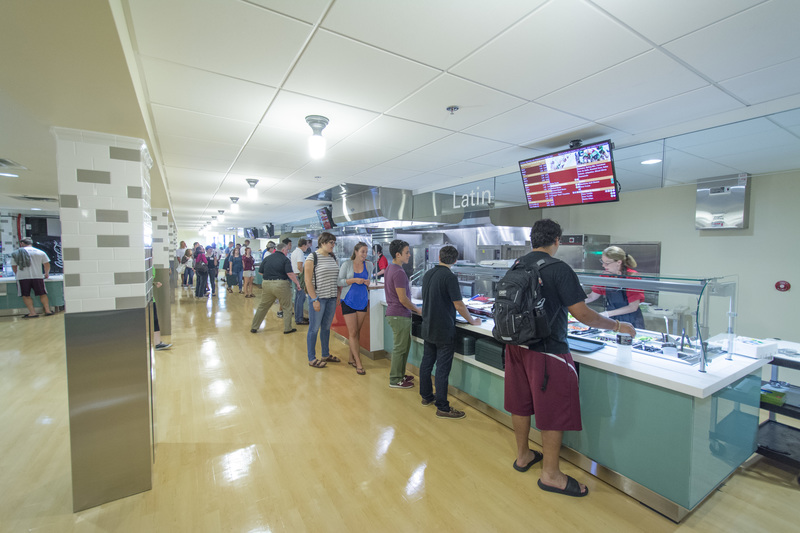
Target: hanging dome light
{"points": [[252, 192], [234, 204], [316, 143]]}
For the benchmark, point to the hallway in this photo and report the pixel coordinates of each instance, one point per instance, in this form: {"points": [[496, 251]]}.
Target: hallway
{"points": [[251, 439]]}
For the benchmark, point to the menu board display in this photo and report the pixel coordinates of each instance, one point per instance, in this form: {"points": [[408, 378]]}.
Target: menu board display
{"points": [[583, 175], [325, 218]]}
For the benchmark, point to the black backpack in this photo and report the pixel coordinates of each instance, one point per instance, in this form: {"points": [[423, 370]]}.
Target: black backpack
{"points": [[519, 315]]}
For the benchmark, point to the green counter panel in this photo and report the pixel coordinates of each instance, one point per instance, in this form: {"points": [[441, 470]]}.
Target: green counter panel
{"points": [[676, 445], [55, 295]]}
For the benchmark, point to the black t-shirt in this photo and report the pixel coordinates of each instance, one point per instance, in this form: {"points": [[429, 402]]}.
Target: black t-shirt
{"points": [[275, 267], [561, 289], [439, 290]]}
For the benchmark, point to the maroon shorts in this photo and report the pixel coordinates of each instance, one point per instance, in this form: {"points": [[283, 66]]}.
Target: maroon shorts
{"points": [[558, 407], [25, 286]]}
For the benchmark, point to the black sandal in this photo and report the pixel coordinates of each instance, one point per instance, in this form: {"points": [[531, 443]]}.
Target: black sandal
{"points": [[318, 364]]}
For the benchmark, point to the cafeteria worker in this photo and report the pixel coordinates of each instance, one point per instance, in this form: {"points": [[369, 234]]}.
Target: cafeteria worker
{"points": [[621, 304]]}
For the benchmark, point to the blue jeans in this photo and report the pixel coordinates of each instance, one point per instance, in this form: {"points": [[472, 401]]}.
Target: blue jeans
{"points": [[240, 276], [442, 355], [188, 276], [299, 298], [320, 322]]}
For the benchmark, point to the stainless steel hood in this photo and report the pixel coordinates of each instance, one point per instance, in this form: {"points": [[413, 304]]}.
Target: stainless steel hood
{"points": [[723, 203], [376, 204]]}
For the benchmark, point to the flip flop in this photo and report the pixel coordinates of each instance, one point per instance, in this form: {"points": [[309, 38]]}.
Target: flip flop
{"points": [[360, 371], [331, 359], [318, 364], [49, 314], [352, 363], [30, 316], [536, 458], [572, 488]]}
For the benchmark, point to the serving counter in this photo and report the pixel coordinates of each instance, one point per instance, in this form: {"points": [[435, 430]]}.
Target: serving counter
{"points": [[11, 304], [659, 430]]}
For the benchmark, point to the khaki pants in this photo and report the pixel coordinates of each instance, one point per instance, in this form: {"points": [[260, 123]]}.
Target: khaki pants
{"points": [[270, 291]]}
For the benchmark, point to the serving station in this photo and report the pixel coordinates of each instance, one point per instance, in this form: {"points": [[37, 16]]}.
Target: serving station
{"points": [[667, 425], [11, 304]]}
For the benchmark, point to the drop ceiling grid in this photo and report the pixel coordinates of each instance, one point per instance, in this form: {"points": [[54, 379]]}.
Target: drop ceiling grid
{"points": [[224, 37], [443, 31], [182, 123], [341, 70], [662, 22], [531, 121], [691, 105], [759, 37], [204, 92], [553, 42]]}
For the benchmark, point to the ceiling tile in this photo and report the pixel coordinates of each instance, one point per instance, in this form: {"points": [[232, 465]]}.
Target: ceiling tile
{"points": [[476, 103], [397, 133], [205, 92], [526, 123], [664, 21], [508, 157], [766, 84], [367, 155], [465, 169], [462, 146], [342, 70], [289, 110], [688, 106], [268, 163], [192, 162], [219, 36], [175, 145], [443, 31], [681, 167], [550, 49], [382, 173], [307, 10], [419, 162], [642, 80], [757, 38], [181, 123]]}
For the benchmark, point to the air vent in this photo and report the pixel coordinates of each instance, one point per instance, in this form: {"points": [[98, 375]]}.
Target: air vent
{"points": [[34, 198], [7, 163]]}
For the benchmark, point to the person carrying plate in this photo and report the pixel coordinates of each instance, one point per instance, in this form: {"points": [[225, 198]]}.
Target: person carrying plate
{"points": [[621, 304]]}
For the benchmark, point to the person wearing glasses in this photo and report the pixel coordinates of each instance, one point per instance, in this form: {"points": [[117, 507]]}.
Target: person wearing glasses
{"points": [[321, 278], [621, 304]]}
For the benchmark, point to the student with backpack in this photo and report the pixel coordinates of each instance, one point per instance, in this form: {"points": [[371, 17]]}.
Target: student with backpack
{"points": [[320, 280], [541, 377]]}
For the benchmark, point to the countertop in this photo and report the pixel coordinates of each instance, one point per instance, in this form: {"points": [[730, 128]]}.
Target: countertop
{"points": [[671, 375]]}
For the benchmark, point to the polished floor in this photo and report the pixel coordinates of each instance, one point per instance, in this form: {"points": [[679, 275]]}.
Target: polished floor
{"points": [[251, 439]]}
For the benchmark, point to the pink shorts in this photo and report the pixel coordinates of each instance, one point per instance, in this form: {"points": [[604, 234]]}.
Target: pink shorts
{"points": [[558, 407]]}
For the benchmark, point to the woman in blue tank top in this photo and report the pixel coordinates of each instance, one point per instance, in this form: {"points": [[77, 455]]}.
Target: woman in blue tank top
{"points": [[354, 278]]}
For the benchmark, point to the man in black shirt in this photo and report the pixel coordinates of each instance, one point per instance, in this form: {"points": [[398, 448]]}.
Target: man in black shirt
{"points": [[543, 377], [441, 298], [276, 271]]}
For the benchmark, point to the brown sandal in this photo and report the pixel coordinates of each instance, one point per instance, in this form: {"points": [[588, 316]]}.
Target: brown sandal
{"points": [[318, 364], [331, 359]]}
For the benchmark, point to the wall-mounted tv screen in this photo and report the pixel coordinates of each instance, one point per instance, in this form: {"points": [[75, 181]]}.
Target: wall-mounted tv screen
{"points": [[267, 232], [326, 218], [249, 233], [583, 175]]}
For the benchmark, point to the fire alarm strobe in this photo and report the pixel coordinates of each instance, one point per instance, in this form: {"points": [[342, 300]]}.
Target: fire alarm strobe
{"points": [[783, 286]]}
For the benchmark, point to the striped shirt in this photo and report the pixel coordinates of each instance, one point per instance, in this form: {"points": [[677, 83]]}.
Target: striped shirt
{"points": [[326, 276]]}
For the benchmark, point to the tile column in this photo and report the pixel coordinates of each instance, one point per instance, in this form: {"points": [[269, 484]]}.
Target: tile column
{"points": [[104, 190], [161, 261]]}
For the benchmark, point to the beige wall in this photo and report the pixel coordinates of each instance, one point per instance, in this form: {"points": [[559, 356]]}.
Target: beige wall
{"points": [[760, 255]]}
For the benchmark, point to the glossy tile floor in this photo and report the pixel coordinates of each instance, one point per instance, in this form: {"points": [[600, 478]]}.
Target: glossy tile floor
{"points": [[250, 439]]}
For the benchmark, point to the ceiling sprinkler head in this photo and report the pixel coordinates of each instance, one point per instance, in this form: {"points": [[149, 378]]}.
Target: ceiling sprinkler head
{"points": [[452, 109]]}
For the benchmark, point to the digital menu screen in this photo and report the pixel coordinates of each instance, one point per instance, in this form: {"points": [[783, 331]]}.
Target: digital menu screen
{"points": [[325, 218], [576, 176]]}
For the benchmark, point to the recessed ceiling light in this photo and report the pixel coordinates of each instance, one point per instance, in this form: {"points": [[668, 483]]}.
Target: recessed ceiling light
{"points": [[9, 175], [651, 161]]}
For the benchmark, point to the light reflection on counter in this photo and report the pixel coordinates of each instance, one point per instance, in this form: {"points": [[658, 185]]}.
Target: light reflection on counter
{"points": [[226, 410]]}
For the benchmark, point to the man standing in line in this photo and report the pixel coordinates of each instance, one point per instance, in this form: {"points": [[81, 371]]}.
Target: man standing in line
{"points": [[276, 270], [398, 313], [212, 254], [298, 260], [441, 298], [542, 379], [27, 264]]}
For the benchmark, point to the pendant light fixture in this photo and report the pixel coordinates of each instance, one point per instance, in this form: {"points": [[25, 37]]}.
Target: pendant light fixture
{"points": [[316, 143], [252, 193], [221, 216], [234, 204]]}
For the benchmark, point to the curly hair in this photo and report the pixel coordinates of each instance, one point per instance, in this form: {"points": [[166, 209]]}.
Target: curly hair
{"points": [[544, 233]]}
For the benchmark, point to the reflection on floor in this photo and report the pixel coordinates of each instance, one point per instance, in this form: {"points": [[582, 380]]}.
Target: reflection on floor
{"points": [[251, 439]]}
